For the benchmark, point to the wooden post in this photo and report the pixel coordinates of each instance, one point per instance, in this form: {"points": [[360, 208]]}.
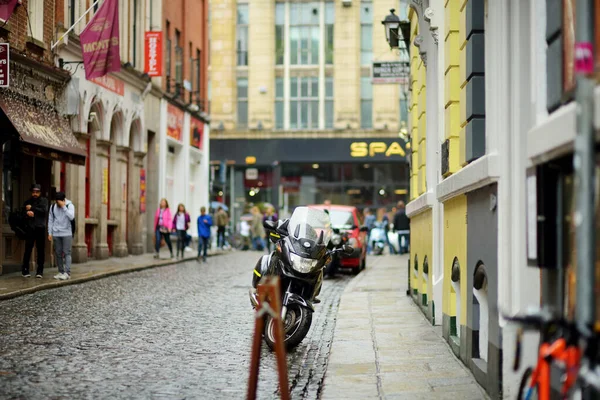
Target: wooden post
{"points": [[269, 302]]}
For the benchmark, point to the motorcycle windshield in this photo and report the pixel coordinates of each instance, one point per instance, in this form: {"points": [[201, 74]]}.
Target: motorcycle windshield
{"points": [[310, 223]]}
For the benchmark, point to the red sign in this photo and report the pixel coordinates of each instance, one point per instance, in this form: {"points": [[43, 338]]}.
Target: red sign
{"points": [[196, 133], [153, 65], [110, 83], [142, 190], [174, 122], [4, 64]]}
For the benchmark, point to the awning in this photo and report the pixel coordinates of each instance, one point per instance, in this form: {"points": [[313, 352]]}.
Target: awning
{"points": [[43, 132]]}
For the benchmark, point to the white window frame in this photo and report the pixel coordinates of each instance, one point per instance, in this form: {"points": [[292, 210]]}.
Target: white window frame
{"points": [[35, 25]]}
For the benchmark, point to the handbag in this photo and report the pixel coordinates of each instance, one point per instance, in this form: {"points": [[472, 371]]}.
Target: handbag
{"points": [[163, 229]]}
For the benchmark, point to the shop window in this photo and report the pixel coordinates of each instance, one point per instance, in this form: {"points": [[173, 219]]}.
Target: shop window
{"points": [[243, 16], [242, 102], [304, 103], [366, 103], [304, 33], [366, 33], [279, 32]]}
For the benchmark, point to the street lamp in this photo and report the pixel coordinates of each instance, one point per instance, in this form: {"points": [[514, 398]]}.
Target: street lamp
{"points": [[393, 28]]}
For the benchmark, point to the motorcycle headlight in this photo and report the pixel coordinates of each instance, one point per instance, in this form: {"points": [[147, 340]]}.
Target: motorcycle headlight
{"points": [[336, 240], [301, 264]]}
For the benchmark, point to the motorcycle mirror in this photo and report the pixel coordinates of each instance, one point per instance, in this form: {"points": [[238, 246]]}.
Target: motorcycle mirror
{"points": [[348, 249], [269, 225]]}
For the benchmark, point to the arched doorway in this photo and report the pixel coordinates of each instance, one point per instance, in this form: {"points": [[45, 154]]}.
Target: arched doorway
{"points": [[118, 161]]}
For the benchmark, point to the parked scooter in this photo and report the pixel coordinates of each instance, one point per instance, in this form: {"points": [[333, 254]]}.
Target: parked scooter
{"points": [[298, 259], [377, 239], [338, 241]]}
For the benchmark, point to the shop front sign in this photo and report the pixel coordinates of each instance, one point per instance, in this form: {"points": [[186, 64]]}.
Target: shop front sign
{"points": [[4, 65], [174, 122], [113, 84], [364, 149]]}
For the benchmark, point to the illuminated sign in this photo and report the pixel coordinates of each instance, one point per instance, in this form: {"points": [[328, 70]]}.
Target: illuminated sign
{"points": [[364, 149]]}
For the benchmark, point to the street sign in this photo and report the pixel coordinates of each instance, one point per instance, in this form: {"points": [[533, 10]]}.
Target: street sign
{"points": [[4, 65], [390, 72]]}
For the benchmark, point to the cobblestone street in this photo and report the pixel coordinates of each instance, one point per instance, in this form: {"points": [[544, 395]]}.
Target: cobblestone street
{"points": [[181, 331]]}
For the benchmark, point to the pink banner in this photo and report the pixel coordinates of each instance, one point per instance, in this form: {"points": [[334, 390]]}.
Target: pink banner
{"points": [[100, 41], [7, 7]]}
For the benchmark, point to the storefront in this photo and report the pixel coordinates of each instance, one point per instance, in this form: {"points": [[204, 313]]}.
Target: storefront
{"points": [[38, 145], [292, 172]]}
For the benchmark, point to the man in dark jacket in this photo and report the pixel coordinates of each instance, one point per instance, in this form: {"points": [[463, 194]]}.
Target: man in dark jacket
{"points": [[402, 228], [36, 213]]}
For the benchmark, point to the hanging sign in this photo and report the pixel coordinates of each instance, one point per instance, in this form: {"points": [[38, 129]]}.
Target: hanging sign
{"points": [[4, 64], [390, 72], [142, 190], [7, 7], [153, 65], [174, 122]]}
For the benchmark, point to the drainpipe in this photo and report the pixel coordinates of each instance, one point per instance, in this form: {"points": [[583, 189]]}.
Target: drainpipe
{"points": [[584, 164]]}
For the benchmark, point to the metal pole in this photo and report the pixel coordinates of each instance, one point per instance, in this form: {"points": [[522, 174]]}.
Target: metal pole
{"points": [[583, 163], [73, 26]]}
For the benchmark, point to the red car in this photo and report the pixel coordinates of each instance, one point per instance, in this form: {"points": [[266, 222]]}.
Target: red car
{"points": [[345, 218]]}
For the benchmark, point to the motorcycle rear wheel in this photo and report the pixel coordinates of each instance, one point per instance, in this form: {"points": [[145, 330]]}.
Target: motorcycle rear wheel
{"points": [[296, 325]]}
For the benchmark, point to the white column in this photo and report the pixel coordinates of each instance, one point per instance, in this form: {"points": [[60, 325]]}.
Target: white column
{"points": [[322, 66], [162, 154], [205, 166], [286, 69], [185, 153]]}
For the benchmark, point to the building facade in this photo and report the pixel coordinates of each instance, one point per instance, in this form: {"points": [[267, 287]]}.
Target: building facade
{"points": [[492, 123], [38, 143], [296, 117]]}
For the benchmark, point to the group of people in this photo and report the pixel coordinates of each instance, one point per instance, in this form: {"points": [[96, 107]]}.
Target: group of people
{"points": [[252, 230], [399, 222], [165, 223], [36, 222]]}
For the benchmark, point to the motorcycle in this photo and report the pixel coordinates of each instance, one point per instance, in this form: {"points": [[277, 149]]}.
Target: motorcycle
{"points": [[377, 239], [338, 241], [299, 258]]}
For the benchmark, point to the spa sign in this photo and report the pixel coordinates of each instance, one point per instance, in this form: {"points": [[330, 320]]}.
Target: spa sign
{"points": [[365, 150]]}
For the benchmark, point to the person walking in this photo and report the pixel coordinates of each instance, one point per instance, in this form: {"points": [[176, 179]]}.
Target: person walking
{"points": [[402, 228], [257, 229], [204, 224], [221, 219], [163, 225], [370, 220], [270, 215], [36, 211], [60, 232], [181, 223], [385, 220]]}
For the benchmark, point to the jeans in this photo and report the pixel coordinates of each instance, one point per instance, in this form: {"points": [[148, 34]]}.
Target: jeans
{"points": [[181, 234], [167, 237], [221, 236], [38, 237], [258, 243], [202, 243], [406, 236], [62, 251]]}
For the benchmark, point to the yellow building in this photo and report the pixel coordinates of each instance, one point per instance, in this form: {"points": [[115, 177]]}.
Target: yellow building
{"points": [[296, 115]]}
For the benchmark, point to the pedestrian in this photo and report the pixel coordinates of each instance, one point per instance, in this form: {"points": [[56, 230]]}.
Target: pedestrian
{"points": [[221, 220], [270, 215], [385, 220], [370, 220], [181, 223], [163, 225], [257, 229], [204, 224], [60, 232], [402, 228], [36, 210]]}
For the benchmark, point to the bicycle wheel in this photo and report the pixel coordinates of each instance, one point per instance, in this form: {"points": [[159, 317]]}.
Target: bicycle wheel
{"points": [[526, 391]]}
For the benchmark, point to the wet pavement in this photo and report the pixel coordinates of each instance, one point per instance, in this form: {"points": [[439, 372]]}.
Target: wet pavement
{"points": [[174, 332]]}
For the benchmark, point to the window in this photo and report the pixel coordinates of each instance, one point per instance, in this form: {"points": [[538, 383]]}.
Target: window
{"points": [[329, 103], [168, 55], [198, 74], [36, 19], [178, 58], [366, 103], [279, 117], [329, 19], [366, 33], [279, 32], [72, 5], [242, 102], [242, 34], [304, 33], [304, 103], [135, 31]]}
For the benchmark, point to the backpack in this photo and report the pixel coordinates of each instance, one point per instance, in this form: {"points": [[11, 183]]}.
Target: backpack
{"points": [[16, 220], [73, 225]]}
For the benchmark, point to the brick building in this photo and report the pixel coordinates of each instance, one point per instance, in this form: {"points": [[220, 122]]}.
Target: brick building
{"points": [[38, 143], [294, 106]]}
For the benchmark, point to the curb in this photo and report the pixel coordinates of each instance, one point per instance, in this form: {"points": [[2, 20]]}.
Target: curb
{"points": [[56, 284]]}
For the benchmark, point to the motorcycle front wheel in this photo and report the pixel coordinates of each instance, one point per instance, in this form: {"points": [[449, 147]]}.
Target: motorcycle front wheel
{"points": [[296, 325]]}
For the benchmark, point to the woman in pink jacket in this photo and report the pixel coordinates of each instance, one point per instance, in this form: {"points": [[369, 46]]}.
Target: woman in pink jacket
{"points": [[163, 225]]}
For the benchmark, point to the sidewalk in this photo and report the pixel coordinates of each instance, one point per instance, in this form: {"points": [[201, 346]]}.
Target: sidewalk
{"points": [[13, 285], [384, 348]]}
